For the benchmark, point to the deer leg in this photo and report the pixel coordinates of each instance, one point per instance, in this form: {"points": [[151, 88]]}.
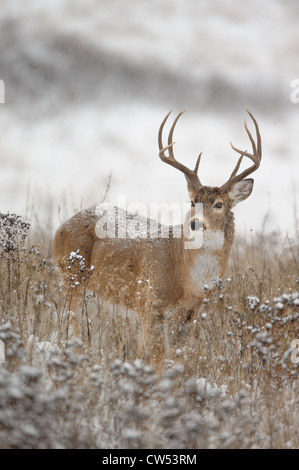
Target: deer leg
{"points": [[153, 338], [73, 309]]}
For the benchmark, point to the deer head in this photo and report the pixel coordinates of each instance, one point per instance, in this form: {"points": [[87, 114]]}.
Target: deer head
{"points": [[217, 201]]}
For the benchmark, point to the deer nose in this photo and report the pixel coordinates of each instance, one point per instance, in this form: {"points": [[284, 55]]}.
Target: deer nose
{"points": [[197, 224]]}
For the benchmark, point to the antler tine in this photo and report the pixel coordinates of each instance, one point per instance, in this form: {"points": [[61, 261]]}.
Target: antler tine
{"points": [[191, 175], [255, 156], [170, 143], [161, 149]]}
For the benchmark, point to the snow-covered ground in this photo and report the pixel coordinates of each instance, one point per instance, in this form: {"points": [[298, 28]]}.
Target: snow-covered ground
{"points": [[87, 84]]}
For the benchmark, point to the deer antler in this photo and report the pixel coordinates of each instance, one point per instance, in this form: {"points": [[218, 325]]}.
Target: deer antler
{"points": [[256, 157], [191, 175]]}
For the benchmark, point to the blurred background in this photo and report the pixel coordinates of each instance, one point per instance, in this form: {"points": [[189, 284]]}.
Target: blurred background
{"points": [[87, 84]]}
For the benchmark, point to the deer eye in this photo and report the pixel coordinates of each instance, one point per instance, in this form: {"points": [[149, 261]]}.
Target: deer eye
{"points": [[218, 205]]}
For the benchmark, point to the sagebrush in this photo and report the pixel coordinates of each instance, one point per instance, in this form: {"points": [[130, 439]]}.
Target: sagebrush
{"points": [[230, 379]]}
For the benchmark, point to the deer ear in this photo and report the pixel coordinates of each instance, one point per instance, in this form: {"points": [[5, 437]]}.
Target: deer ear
{"points": [[241, 190]]}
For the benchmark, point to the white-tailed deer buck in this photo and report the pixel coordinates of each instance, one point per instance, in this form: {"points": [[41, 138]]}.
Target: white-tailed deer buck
{"points": [[156, 276]]}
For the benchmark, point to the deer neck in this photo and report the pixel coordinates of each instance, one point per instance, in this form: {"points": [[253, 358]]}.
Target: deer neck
{"points": [[207, 263]]}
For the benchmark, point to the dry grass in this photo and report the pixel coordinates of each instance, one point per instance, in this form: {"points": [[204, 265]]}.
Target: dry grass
{"points": [[230, 380]]}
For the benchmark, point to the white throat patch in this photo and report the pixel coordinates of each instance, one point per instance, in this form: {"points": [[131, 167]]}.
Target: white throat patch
{"points": [[213, 239], [206, 267], [204, 271]]}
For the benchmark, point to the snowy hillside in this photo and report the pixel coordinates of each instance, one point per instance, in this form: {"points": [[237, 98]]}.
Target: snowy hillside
{"points": [[87, 85]]}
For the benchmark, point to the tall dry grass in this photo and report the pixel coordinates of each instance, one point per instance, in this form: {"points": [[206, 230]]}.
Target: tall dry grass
{"points": [[230, 378]]}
